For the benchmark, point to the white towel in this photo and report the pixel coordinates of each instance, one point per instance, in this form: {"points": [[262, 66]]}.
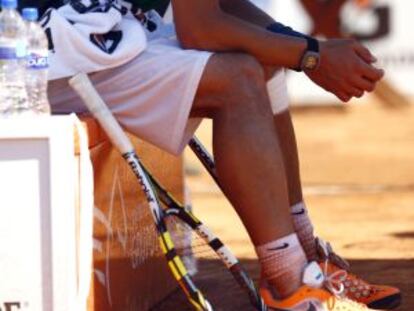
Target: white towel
{"points": [[89, 36]]}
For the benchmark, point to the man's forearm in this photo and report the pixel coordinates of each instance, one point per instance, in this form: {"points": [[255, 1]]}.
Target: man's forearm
{"points": [[269, 48], [215, 30]]}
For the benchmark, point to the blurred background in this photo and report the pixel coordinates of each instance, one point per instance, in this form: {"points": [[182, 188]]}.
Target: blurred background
{"points": [[357, 159]]}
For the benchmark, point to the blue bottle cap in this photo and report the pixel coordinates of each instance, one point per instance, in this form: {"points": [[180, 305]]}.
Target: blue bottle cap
{"points": [[30, 14], [9, 4]]}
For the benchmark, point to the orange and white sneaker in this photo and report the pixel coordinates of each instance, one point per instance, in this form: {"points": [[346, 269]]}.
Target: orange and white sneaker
{"points": [[337, 276], [311, 296]]}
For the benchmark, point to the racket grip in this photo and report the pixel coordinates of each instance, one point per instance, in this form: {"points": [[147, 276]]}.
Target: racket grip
{"points": [[94, 102]]}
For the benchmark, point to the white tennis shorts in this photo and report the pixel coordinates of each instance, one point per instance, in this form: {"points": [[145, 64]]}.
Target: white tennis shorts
{"points": [[152, 95]]}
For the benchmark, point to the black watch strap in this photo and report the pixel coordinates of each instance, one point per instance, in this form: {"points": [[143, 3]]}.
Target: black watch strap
{"points": [[312, 46]]}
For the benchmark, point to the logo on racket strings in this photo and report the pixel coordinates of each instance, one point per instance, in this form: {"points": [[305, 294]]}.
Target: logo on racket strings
{"points": [[133, 161]]}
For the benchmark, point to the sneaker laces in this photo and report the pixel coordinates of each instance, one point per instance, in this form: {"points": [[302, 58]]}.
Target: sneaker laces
{"points": [[357, 287], [334, 281]]}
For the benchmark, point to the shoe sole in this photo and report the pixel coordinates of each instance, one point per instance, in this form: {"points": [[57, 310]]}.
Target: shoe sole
{"points": [[390, 302]]}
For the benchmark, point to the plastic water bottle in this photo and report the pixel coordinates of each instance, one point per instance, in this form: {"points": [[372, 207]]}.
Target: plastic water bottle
{"points": [[13, 95], [37, 63]]}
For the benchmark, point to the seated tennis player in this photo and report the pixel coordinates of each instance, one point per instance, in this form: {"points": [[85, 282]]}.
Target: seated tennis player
{"points": [[224, 60]]}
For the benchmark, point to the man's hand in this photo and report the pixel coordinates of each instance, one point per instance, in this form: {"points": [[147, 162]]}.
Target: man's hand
{"points": [[346, 69]]}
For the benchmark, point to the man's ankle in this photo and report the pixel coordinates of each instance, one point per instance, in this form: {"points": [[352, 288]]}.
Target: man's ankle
{"points": [[304, 229], [283, 261]]}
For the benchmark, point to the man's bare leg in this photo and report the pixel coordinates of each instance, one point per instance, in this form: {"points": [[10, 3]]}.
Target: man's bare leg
{"points": [[249, 161], [287, 140], [301, 221], [233, 93]]}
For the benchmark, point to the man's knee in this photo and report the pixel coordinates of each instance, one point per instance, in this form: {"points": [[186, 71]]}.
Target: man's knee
{"points": [[245, 72], [246, 92], [230, 81]]}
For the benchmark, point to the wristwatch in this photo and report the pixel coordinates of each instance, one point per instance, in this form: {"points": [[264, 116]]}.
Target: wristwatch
{"points": [[311, 58]]}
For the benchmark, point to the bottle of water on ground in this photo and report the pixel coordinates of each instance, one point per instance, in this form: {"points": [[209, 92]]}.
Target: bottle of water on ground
{"points": [[37, 63], [13, 94]]}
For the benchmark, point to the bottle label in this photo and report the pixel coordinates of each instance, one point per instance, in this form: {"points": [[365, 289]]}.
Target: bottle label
{"points": [[13, 52], [8, 53], [21, 50], [36, 61]]}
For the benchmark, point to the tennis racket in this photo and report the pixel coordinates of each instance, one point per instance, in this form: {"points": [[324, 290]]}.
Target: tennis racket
{"points": [[205, 158], [174, 215]]}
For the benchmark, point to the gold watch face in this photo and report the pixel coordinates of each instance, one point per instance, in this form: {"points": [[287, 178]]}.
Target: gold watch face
{"points": [[310, 61]]}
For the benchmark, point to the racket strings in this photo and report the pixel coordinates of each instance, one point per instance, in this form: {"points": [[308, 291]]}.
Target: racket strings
{"points": [[208, 271]]}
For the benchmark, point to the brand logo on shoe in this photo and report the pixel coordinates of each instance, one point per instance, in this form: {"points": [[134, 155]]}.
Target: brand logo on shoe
{"points": [[301, 212], [278, 248], [319, 276]]}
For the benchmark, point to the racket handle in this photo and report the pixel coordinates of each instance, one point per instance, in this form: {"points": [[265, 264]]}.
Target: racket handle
{"points": [[84, 88]]}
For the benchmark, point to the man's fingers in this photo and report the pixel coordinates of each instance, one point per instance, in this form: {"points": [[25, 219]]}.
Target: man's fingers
{"points": [[347, 95], [364, 53], [356, 92], [372, 73], [365, 84], [343, 96], [352, 90]]}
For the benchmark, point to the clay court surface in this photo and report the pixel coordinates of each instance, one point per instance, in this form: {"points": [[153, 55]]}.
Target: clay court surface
{"points": [[358, 174]]}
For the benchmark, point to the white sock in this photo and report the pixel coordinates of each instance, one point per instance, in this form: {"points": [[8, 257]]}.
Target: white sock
{"points": [[282, 262], [304, 229]]}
